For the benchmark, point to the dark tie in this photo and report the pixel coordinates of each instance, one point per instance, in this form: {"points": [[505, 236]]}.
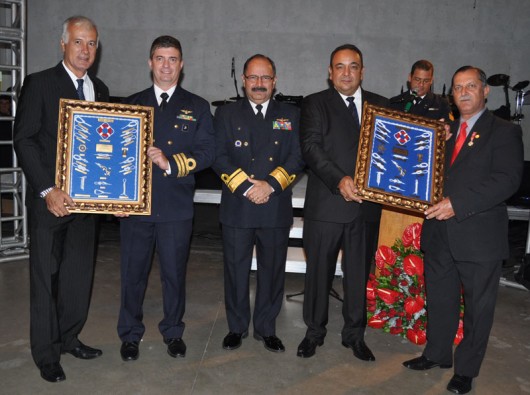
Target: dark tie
{"points": [[459, 141], [164, 97], [353, 110], [259, 114], [80, 93]]}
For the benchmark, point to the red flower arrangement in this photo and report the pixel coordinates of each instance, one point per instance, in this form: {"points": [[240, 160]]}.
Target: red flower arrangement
{"points": [[396, 300]]}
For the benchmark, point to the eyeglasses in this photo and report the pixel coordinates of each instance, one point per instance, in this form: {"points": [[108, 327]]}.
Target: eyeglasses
{"points": [[423, 81], [472, 86], [263, 78]]}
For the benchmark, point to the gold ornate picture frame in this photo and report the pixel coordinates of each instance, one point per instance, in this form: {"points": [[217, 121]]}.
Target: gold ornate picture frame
{"points": [[102, 160], [401, 158]]}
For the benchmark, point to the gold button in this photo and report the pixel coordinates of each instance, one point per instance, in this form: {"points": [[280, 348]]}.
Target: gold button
{"points": [[270, 159], [252, 176], [169, 142], [238, 128], [176, 126], [276, 142], [245, 143], [165, 174], [252, 159]]}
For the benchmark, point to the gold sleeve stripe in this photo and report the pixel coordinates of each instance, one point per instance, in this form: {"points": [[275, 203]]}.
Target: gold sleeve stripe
{"points": [[283, 178], [235, 179], [184, 164]]}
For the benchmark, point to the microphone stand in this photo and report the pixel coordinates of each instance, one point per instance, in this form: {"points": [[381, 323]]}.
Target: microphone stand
{"points": [[238, 97]]}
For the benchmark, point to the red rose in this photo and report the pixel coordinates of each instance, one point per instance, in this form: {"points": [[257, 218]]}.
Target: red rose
{"points": [[394, 282], [396, 330], [414, 305], [385, 272], [417, 337], [388, 296], [376, 322], [385, 255], [413, 264]]}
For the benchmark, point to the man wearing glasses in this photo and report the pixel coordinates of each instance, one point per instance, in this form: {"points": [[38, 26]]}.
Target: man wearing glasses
{"points": [[419, 100], [257, 157], [465, 236]]}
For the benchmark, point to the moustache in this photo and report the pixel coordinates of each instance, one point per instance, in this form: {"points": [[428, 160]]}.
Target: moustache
{"points": [[259, 89]]}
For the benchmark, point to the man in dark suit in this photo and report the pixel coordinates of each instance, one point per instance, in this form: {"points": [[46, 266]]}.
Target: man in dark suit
{"points": [[334, 218], [184, 138], [62, 245], [465, 236], [258, 157], [418, 99]]}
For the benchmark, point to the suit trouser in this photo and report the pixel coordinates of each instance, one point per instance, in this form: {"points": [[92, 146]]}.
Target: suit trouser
{"points": [[138, 240], [445, 279], [322, 243], [271, 253], [61, 273]]}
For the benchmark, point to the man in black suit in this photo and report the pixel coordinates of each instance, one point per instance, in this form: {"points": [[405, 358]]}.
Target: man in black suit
{"points": [[334, 218], [418, 99], [184, 138], [465, 236], [62, 245], [258, 157]]}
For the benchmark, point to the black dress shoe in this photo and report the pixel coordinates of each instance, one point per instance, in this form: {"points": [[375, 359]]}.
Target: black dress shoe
{"points": [[176, 347], [422, 363], [84, 352], [271, 343], [52, 372], [307, 347], [360, 350], [460, 384], [129, 351], [233, 340]]}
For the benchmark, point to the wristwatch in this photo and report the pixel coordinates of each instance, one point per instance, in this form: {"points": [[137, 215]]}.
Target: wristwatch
{"points": [[46, 191]]}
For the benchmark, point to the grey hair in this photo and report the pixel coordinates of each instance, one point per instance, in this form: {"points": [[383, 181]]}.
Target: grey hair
{"points": [[79, 21]]}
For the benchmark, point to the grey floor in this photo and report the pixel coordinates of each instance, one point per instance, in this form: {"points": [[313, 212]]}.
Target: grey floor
{"points": [[208, 369]]}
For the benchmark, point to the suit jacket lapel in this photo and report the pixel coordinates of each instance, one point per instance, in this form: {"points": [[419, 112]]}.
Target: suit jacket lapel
{"points": [[472, 139], [66, 86]]}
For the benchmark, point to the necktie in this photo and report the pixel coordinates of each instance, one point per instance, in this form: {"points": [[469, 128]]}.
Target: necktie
{"points": [[353, 110], [459, 141], [164, 97], [259, 114], [80, 93]]}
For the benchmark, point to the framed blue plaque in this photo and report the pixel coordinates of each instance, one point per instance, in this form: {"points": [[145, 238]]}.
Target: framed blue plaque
{"points": [[102, 158], [400, 161]]}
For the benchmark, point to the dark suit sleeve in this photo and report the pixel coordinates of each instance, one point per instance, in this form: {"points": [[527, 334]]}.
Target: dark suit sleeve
{"points": [[506, 166], [28, 124], [312, 128], [202, 153], [235, 178]]}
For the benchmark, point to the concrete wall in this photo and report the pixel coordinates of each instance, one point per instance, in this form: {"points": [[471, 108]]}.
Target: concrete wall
{"points": [[299, 35]]}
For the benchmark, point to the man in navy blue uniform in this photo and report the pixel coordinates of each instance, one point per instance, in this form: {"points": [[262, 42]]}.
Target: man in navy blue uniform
{"points": [[258, 157], [419, 99], [184, 139]]}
